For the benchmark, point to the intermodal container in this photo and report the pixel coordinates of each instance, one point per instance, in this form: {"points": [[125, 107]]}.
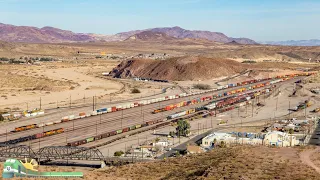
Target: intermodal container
{"points": [[98, 137], [49, 123], [138, 126], [119, 131], [113, 133], [90, 139], [94, 113], [125, 130], [105, 135], [109, 109], [114, 109], [42, 124], [82, 114], [65, 118], [39, 135], [150, 123], [71, 117], [132, 128], [104, 110]]}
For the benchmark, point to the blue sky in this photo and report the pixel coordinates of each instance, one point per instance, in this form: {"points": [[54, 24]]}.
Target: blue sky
{"points": [[260, 20]]}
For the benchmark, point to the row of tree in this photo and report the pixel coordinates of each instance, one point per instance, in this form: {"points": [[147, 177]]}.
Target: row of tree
{"points": [[25, 59]]}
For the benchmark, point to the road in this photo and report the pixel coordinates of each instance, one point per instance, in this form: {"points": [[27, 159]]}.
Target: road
{"points": [[305, 158]]}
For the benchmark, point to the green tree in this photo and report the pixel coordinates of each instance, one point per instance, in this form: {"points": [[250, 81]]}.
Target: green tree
{"points": [[135, 90], [222, 144], [183, 128], [171, 133], [157, 140], [291, 131], [177, 153], [118, 153]]}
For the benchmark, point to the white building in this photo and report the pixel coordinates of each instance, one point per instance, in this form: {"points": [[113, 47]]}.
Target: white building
{"points": [[208, 141], [161, 143], [277, 138], [274, 138]]}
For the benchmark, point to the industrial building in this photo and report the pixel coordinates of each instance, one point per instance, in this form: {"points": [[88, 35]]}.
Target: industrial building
{"points": [[274, 138]]}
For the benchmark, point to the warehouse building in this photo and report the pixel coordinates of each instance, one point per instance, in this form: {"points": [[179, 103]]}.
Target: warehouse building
{"points": [[274, 138]]}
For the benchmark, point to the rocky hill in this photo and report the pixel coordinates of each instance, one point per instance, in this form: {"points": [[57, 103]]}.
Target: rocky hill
{"points": [[30, 34], [236, 163], [181, 33], [150, 36], [182, 68], [13, 33]]}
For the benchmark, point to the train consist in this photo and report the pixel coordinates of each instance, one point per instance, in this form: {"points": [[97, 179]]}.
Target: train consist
{"points": [[35, 136], [208, 98], [170, 107], [221, 106], [145, 102]]}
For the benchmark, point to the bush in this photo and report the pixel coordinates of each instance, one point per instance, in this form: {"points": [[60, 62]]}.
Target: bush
{"points": [[135, 90], [118, 153], [4, 59], [249, 61], [201, 86], [46, 59]]}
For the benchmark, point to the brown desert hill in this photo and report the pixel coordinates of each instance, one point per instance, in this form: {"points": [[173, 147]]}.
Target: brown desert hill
{"points": [[150, 36], [236, 163], [178, 68], [29, 34], [232, 43], [181, 33]]}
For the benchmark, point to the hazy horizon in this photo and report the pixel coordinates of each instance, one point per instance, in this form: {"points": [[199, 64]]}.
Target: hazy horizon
{"points": [[261, 21]]}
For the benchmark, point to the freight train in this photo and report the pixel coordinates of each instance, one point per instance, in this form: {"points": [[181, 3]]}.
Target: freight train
{"points": [[190, 114], [170, 107], [35, 136], [219, 95]]}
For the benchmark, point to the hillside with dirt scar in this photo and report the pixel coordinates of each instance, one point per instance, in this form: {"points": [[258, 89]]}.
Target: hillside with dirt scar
{"points": [[178, 68]]}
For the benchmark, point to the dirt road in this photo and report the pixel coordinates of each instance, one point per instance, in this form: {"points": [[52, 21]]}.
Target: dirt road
{"points": [[305, 158]]}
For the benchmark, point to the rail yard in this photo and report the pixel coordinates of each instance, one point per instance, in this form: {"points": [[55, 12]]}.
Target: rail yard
{"points": [[104, 126]]}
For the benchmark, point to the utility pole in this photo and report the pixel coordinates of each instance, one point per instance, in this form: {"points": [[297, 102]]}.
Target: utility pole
{"points": [[289, 110], [93, 103], [211, 122], [97, 127], [40, 102], [70, 101], [252, 108], [121, 118]]}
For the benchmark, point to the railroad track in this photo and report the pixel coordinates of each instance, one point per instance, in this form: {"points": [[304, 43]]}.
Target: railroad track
{"points": [[175, 100], [106, 125]]}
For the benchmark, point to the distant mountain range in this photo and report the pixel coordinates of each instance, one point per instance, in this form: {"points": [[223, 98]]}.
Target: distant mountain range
{"points": [[181, 33], [11, 33], [311, 42]]}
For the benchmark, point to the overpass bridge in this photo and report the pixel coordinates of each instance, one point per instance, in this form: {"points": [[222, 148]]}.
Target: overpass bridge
{"points": [[51, 153]]}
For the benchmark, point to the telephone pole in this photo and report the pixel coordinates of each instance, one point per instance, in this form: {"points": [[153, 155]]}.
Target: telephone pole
{"points": [[93, 103], [40, 102]]}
